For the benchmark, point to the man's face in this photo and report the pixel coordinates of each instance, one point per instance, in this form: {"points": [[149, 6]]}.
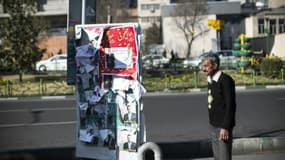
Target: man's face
{"points": [[209, 68]]}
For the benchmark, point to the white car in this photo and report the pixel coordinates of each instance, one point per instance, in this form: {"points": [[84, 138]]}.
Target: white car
{"points": [[154, 61], [54, 63], [193, 62], [227, 60]]}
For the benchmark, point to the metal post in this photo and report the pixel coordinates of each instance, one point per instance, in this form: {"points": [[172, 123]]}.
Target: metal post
{"points": [[267, 31], [83, 6], [149, 146], [11, 88], [40, 87], [7, 87], [218, 40], [282, 75], [108, 14], [254, 77], [195, 79]]}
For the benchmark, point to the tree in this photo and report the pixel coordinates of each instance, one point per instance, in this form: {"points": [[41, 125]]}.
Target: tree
{"points": [[188, 17], [21, 33], [152, 36]]}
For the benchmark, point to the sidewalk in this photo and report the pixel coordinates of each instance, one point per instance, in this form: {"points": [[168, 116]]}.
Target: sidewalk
{"points": [[243, 149], [253, 156]]}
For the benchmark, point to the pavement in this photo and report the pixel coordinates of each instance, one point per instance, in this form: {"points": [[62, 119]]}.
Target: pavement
{"points": [[254, 156], [256, 148], [243, 148]]}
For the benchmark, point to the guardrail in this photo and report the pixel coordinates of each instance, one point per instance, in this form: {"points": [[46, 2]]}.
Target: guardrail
{"points": [[41, 88]]}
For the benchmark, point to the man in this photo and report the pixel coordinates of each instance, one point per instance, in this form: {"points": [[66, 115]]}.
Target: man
{"points": [[221, 107], [130, 116], [129, 145]]}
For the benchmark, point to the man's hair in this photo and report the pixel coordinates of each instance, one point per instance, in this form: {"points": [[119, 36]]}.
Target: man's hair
{"points": [[213, 58]]}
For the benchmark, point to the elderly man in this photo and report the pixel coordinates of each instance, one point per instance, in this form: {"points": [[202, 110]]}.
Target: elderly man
{"points": [[221, 107]]}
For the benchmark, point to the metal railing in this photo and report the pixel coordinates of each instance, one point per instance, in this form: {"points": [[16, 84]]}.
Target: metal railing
{"points": [[149, 146], [181, 82], [40, 88]]}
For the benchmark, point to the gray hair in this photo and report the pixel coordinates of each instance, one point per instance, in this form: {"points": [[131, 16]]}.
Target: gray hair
{"points": [[213, 58]]}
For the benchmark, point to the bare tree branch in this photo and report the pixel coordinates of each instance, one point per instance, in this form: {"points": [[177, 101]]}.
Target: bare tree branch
{"points": [[188, 15]]}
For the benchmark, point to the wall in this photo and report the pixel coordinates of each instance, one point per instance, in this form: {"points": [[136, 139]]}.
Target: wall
{"points": [[251, 26], [149, 12], [174, 39], [53, 44], [278, 48], [276, 3]]}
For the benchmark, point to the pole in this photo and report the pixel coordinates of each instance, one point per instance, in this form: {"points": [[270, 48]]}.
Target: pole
{"points": [[218, 40], [195, 79], [267, 36], [282, 75], [108, 14], [83, 6]]}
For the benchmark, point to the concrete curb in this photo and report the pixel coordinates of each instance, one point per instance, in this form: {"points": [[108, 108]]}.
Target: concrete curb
{"points": [[165, 92], [202, 148], [254, 145], [37, 98]]}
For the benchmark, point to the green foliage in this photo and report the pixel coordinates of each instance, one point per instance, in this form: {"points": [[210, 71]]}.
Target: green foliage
{"points": [[271, 66], [20, 35]]}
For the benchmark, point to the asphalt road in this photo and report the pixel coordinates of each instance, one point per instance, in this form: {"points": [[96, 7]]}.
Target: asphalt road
{"points": [[37, 124], [184, 117]]}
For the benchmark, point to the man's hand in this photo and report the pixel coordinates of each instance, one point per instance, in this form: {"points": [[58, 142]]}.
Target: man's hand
{"points": [[224, 134]]}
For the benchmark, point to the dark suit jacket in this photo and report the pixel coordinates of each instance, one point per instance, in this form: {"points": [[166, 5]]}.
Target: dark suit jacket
{"points": [[132, 146], [132, 118], [223, 106]]}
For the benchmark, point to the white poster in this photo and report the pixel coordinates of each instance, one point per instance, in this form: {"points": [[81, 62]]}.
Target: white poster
{"points": [[118, 57]]}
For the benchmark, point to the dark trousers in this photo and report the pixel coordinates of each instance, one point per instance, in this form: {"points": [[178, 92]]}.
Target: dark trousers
{"points": [[222, 150]]}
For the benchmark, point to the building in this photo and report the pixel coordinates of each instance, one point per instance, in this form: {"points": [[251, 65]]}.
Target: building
{"points": [[116, 11], [266, 27], [261, 20], [149, 12], [207, 37]]}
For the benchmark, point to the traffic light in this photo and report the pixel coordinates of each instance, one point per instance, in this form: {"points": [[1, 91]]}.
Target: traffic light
{"points": [[242, 46], [241, 49]]}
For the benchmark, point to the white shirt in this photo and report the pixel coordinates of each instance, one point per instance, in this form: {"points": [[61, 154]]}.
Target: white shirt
{"points": [[215, 78]]}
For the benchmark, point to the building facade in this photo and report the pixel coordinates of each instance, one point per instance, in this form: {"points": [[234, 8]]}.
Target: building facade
{"points": [[149, 12], [208, 39], [266, 27]]}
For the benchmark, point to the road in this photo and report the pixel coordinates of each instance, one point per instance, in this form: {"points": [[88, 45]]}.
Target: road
{"points": [[37, 124], [184, 117]]}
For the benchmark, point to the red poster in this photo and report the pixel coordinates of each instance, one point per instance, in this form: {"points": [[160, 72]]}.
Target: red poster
{"points": [[118, 55]]}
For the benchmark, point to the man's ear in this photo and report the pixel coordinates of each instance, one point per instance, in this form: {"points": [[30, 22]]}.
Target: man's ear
{"points": [[215, 66]]}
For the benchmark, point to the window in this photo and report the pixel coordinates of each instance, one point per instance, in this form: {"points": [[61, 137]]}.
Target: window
{"points": [[150, 6], [272, 26], [281, 25], [144, 19], [261, 26], [151, 19]]}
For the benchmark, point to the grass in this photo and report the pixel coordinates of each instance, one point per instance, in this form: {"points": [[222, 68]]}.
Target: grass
{"points": [[55, 83]]}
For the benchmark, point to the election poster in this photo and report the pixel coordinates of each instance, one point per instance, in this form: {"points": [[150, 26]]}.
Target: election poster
{"points": [[110, 124]]}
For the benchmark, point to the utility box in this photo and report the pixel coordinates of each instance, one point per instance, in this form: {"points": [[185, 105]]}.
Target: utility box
{"points": [[110, 121]]}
